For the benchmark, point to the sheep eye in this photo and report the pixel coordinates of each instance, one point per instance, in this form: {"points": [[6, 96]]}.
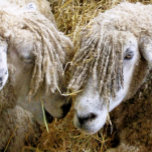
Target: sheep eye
{"points": [[28, 60], [128, 55]]}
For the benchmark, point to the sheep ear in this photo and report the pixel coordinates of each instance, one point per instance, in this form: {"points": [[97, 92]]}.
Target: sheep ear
{"points": [[146, 49], [3, 65]]}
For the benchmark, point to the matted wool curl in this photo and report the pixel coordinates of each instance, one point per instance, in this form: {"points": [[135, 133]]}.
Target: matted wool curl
{"points": [[101, 56]]}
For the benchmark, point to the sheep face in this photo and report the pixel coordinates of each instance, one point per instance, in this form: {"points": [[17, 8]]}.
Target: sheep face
{"points": [[36, 58], [21, 63], [3, 64], [91, 106]]}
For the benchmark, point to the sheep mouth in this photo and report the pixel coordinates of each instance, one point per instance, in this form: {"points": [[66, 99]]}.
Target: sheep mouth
{"points": [[49, 117], [85, 129], [66, 109]]}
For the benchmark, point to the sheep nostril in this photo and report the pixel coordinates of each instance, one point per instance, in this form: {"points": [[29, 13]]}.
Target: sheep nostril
{"points": [[83, 119], [92, 116]]}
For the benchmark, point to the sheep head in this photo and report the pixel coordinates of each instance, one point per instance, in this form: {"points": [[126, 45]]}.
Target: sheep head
{"points": [[36, 56], [109, 68]]}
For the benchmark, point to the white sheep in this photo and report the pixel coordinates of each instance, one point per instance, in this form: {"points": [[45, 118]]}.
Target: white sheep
{"points": [[35, 53], [113, 61]]}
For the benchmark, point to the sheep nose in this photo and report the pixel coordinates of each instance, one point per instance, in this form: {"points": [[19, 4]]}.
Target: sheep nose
{"points": [[84, 119]]}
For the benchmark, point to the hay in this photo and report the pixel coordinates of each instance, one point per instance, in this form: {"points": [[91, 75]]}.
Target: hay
{"points": [[64, 137], [70, 16]]}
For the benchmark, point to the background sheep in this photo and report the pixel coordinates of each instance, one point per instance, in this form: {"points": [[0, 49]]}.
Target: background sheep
{"points": [[36, 55], [112, 63]]}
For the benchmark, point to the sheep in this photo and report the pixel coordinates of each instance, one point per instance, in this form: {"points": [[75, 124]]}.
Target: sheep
{"points": [[34, 53], [114, 60], [57, 107]]}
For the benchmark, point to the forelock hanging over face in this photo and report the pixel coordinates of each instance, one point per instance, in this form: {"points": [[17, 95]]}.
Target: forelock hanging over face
{"points": [[103, 59]]}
